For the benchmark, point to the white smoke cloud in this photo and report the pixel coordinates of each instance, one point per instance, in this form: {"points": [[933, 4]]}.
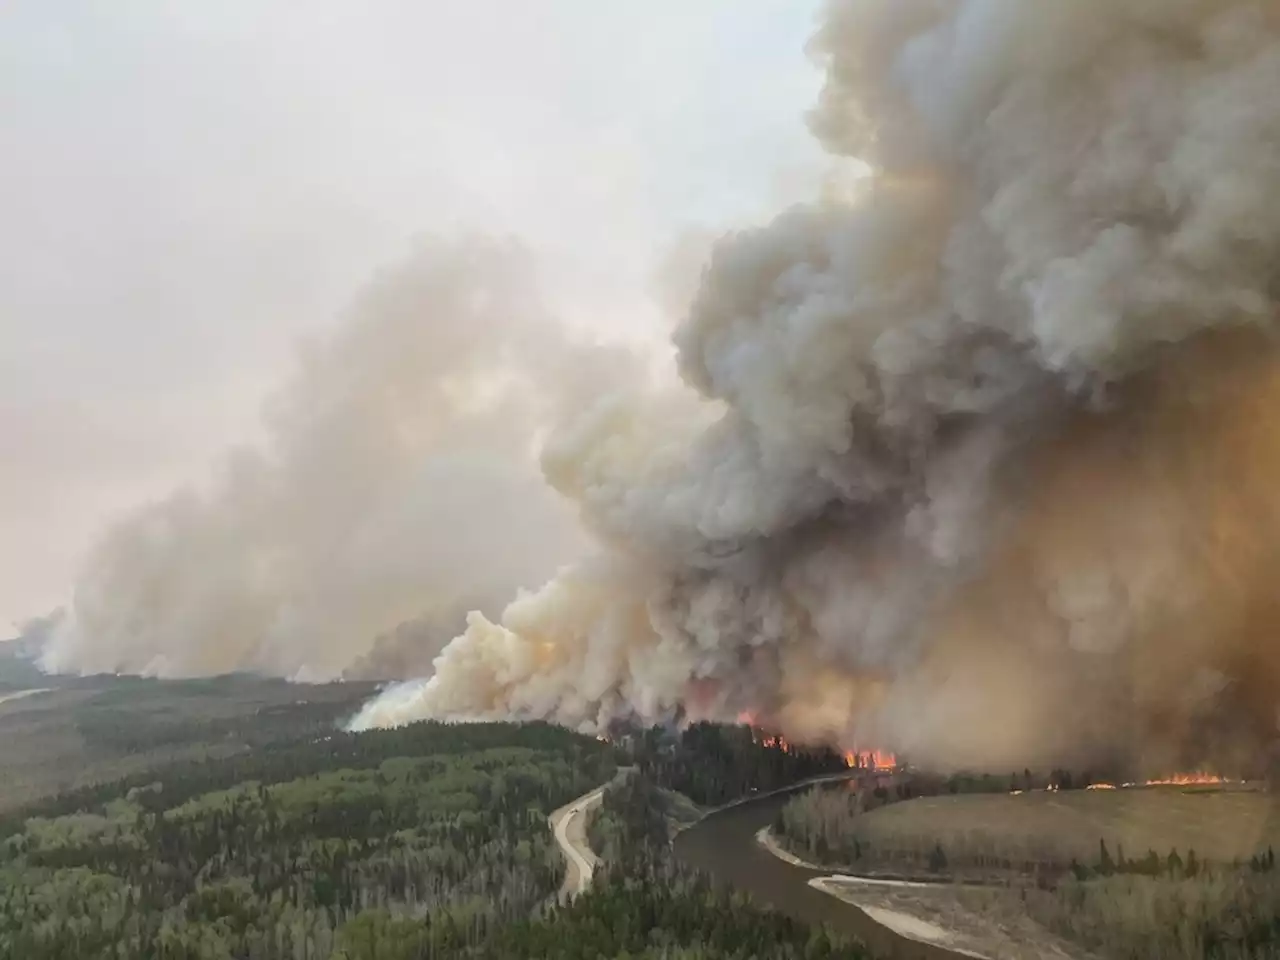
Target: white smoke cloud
{"points": [[398, 486], [848, 529]]}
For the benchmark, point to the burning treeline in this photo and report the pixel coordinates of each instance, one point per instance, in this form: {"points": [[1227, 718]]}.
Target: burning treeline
{"points": [[974, 463], [981, 466], [854, 759]]}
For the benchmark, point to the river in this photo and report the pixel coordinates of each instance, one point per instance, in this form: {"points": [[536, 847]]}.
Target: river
{"points": [[724, 845]]}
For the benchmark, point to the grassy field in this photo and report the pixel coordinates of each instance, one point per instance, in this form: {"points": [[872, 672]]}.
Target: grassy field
{"points": [[96, 729], [1040, 827]]}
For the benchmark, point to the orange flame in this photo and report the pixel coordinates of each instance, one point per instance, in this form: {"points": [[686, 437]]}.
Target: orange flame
{"points": [[1174, 780], [1186, 780], [774, 741], [877, 760]]}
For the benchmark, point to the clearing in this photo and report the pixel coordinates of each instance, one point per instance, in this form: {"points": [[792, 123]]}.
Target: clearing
{"points": [[1043, 827]]}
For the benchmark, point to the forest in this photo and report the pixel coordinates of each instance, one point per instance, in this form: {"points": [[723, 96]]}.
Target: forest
{"points": [[430, 841], [293, 853]]}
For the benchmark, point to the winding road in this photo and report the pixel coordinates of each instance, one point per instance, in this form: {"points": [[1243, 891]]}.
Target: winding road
{"points": [[778, 879], [569, 824]]}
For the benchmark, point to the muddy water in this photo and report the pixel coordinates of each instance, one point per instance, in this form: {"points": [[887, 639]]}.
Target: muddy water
{"points": [[724, 845]]}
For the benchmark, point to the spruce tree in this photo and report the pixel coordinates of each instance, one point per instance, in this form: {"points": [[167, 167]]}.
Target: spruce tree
{"points": [[1106, 866]]}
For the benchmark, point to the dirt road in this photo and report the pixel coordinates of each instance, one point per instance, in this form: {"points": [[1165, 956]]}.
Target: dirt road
{"points": [[569, 824], [21, 694]]}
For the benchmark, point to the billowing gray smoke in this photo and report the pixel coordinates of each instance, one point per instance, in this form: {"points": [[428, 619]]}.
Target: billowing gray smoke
{"points": [[979, 465], [397, 489]]}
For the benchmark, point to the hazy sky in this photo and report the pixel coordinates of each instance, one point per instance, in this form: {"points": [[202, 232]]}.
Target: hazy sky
{"points": [[189, 187]]}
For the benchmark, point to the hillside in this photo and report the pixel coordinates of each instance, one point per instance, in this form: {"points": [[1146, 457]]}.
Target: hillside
{"points": [[232, 818]]}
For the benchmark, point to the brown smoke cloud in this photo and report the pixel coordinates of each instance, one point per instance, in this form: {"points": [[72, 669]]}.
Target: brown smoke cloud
{"points": [[979, 464]]}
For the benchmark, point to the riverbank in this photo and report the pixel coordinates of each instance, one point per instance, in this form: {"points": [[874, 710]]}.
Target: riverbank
{"points": [[902, 918], [940, 915], [723, 846], [846, 889], [769, 840], [766, 838], [932, 913]]}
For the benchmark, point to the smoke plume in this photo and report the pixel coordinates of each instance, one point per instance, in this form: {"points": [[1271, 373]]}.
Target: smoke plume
{"points": [[976, 465], [397, 488]]}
